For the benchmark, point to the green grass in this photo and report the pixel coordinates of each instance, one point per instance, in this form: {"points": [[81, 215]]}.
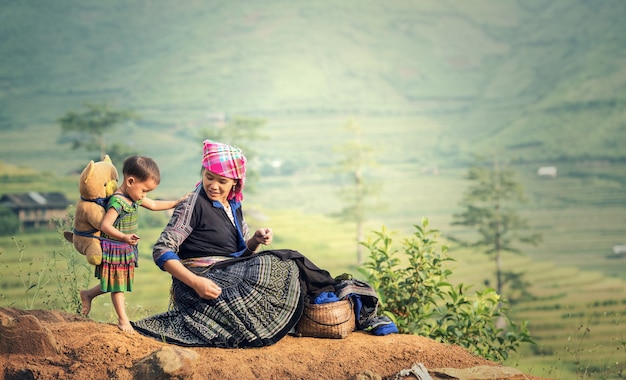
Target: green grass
{"points": [[564, 297], [566, 302]]}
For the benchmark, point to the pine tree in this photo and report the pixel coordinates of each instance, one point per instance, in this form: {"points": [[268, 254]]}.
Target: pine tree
{"points": [[489, 208]]}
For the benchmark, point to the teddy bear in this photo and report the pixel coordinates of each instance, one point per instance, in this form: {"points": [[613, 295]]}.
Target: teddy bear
{"points": [[98, 181]]}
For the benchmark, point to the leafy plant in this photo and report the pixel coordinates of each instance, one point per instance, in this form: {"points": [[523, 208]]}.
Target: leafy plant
{"points": [[580, 343], [70, 272], [32, 278], [3, 297], [417, 295]]}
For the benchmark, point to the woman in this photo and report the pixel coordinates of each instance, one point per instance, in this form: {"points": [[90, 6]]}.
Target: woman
{"points": [[223, 294]]}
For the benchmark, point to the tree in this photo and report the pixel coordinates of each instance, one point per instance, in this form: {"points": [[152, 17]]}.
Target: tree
{"points": [[489, 209], [240, 132], [355, 157], [9, 222], [87, 129], [119, 152]]}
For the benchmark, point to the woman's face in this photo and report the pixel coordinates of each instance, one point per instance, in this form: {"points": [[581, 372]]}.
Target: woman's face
{"points": [[216, 186]]}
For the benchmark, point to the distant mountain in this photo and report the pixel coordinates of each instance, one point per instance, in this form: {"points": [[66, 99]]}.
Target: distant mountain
{"points": [[537, 79]]}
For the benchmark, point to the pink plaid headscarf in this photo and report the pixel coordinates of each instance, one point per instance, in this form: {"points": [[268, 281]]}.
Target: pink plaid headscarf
{"points": [[228, 162]]}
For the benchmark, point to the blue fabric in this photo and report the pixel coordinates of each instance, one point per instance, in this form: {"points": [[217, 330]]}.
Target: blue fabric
{"points": [[89, 233], [365, 303], [170, 255], [238, 253], [356, 301], [326, 297], [99, 201], [241, 242], [389, 328], [377, 325]]}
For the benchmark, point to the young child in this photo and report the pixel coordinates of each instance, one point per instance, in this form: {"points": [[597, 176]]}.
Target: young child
{"points": [[119, 235]]}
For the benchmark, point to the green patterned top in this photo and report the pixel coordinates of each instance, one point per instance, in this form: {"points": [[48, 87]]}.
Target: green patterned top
{"points": [[128, 220]]}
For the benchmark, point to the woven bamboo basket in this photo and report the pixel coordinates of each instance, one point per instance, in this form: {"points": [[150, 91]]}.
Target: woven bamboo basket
{"points": [[327, 320]]}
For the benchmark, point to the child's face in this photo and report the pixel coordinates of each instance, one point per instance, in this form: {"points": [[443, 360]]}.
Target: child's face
{"points": [[137, 190]]}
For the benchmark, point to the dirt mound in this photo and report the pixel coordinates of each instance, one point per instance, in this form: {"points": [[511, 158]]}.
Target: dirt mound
{"points": [[78, 348]]}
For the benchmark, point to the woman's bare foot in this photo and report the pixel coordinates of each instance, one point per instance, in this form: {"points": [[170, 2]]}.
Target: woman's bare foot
{"points": [[126, 327], [85, 299]]}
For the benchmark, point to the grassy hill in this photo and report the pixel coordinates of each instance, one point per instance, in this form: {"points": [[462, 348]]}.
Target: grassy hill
{"points": [[575, 316], [540, 80]]}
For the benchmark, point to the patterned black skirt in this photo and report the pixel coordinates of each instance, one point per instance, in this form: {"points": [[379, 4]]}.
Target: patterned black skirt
{"points": [[261, 301]]}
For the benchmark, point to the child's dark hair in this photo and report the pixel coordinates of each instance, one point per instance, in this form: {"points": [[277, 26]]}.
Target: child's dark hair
{"points": [[142, 168]]}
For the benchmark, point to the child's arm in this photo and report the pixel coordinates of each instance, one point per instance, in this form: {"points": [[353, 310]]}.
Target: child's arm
{"points": [[114, 233], [158, 205]]}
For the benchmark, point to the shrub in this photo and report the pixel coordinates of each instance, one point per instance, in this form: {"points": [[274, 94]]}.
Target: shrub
{"points": [[31, 276], [9, 222], [69, 271], [419, 298]]}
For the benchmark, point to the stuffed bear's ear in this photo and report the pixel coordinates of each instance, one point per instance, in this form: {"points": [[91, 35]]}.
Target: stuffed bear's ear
{"points": [[88, 170], [107, 159]]}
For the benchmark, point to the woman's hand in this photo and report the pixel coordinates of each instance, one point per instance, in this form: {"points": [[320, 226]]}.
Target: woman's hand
{"points": [[206, 288], [203, 287], [261, 236]]}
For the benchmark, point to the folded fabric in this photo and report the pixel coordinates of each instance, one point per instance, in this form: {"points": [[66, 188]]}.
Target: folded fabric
{"points": [[385, 329], [356, 301], [365, 301], [325, 297]]}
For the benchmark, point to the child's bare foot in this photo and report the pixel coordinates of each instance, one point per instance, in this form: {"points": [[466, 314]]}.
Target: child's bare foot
{"points": [[126, 327], [85, 299]]}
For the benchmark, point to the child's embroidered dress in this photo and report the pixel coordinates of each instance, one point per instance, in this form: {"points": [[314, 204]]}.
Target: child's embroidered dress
{"points": [[119, 259]]}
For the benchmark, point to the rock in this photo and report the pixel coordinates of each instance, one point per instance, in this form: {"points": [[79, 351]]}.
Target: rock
{"points": [[25, 334], [20, 374], [482, 372], [417, 371], [367, 375], [167, 363]]}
